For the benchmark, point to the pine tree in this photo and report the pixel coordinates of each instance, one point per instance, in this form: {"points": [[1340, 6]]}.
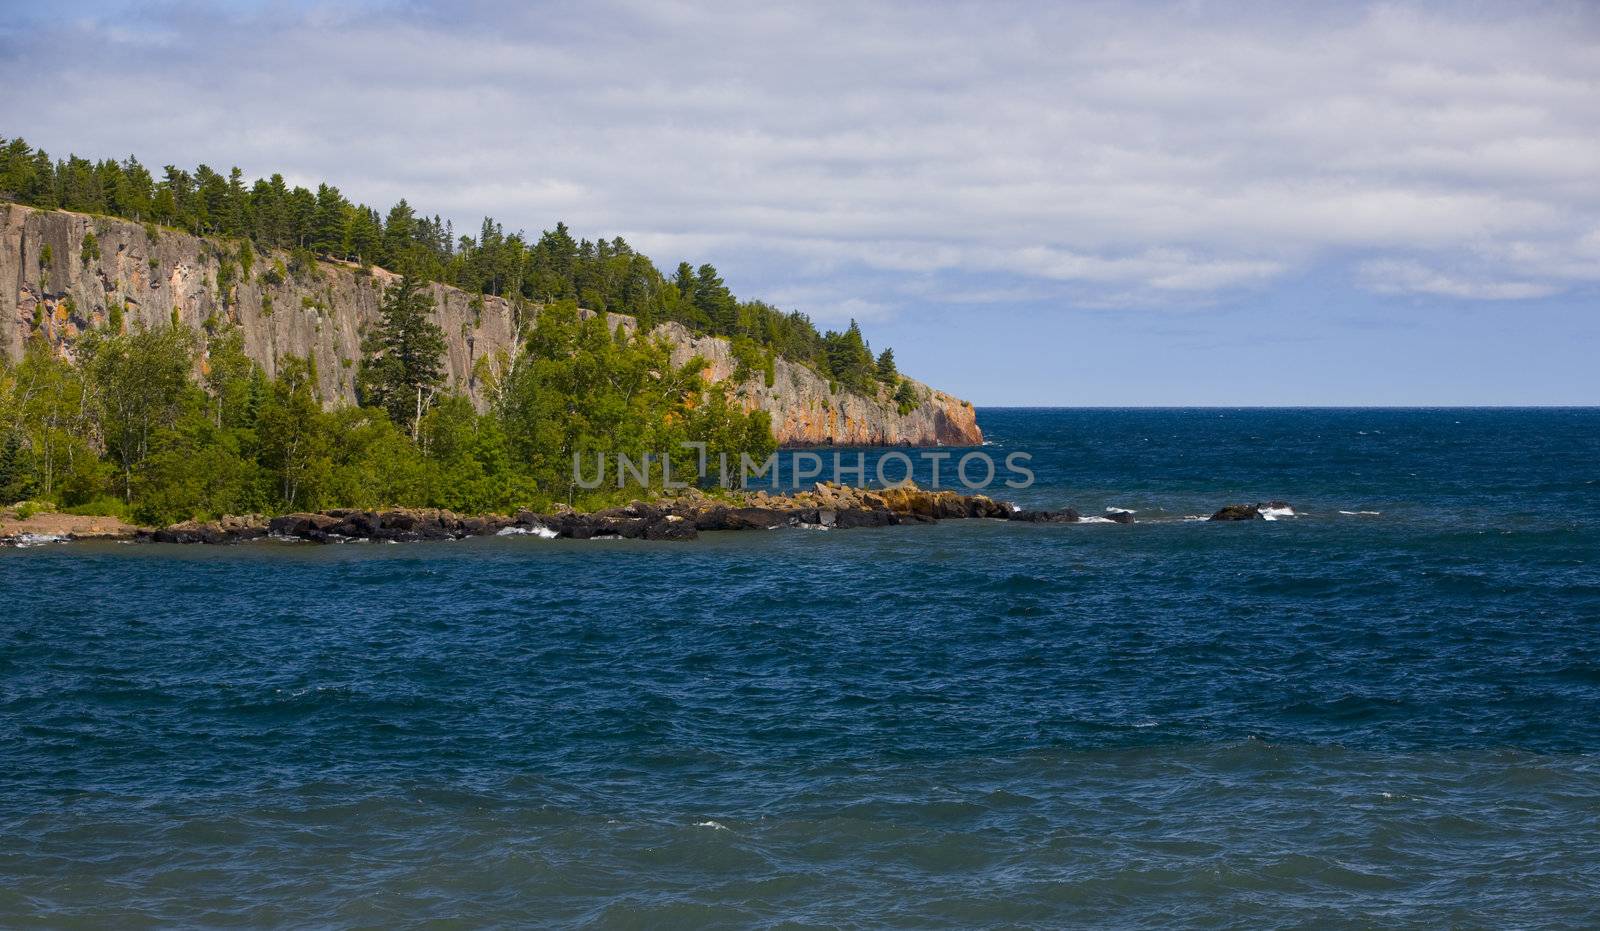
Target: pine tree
{"points": [[887, 372], [329, 221], [403, 371]]}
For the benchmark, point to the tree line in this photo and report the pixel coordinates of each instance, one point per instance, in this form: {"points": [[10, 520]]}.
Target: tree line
{"points": [[603, 274], [127, 430]]}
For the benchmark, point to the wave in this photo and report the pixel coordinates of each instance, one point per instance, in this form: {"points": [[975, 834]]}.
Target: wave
{"points": [[538, 530], [25, 540], [1361, 513]]}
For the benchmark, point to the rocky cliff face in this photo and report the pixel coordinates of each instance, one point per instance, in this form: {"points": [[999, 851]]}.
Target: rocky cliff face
{"points": [[52, 282]]}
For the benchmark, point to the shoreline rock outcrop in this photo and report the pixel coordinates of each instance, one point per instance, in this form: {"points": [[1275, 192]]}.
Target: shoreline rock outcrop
{"points": [[1261, 510], [684, 517]]}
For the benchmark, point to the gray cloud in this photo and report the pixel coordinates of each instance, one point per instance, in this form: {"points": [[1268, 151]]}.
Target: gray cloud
{"points": [[841, 155]]}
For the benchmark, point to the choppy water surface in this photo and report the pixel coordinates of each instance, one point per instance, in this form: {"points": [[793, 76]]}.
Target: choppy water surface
{"points": [[1336, 719]]}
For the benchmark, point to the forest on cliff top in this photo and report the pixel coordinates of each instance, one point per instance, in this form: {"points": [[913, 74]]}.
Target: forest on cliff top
{"points": [[601, 275]]}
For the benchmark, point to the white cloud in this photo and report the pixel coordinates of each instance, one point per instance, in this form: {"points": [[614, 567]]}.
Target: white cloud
{"points": [[1399, 276], [1145, 154]]}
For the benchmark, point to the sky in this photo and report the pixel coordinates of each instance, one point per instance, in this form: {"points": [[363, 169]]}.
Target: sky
{"points": [[1065, 204]]}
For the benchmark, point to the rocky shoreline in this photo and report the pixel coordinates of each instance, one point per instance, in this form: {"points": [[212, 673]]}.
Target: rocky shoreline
{"points": [[681, 518], [684, 517]]}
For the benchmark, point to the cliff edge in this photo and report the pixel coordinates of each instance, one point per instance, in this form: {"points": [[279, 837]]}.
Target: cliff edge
{"points": [[51, 281]]}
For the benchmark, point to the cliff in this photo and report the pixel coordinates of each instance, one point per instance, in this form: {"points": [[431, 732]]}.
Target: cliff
{"points": [[49, 280]]}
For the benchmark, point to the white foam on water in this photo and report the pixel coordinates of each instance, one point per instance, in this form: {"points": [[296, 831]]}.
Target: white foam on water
{"points": [[25, 540], [538, 530], [713, 825], [1112, 510], [1277, 513], [1361, 513], [1095, 520]]}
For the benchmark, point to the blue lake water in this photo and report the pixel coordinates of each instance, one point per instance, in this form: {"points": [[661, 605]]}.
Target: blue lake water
{"points": [[1386, 718]]}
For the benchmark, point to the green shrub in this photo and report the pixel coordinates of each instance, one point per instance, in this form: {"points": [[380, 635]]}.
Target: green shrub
{"points": [[104, 506], [28, 509]]}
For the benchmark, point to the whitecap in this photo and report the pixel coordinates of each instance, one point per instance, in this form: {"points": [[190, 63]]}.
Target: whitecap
{"points": [[1095, 520], [1271, 513], [1112, 510], [1361, 513], [537, 530], [25, 540], [713, 825]]}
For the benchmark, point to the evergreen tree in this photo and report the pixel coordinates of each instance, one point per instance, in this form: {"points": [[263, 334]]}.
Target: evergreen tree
{"points": [[849, 360], [328, 221], [905, 397], [403, 370], [887, 372]]}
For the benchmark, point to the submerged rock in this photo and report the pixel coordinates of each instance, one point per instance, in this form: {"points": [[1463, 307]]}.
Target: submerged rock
{"points": [[1265, 510], [1068, 516]]}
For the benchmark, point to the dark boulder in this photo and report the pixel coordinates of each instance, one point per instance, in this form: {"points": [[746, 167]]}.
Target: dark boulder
{"points": [[191, 532], [1120, 517], [746, 518], [302, 525], [1030, 516], [628, 528], [851, 518], [361, 525], [988, 507], [402, 521], [569, 525], [671, 527], [486, 526], [1238, 512]]}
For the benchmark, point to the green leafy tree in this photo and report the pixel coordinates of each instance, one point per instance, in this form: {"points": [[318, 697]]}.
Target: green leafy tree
{"points": [[140, 378], [294, 442], [196, 469]]}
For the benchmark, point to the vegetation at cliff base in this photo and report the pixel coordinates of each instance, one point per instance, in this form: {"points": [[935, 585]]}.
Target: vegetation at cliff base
{"points": [[124, 428]]}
